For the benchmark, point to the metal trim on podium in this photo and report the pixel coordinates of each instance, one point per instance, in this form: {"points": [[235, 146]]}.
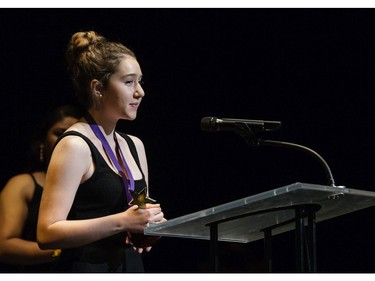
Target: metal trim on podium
{"points": [[293, 207]]}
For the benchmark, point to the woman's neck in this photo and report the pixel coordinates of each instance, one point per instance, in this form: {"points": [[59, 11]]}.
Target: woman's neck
{"points": [[106, 126]]}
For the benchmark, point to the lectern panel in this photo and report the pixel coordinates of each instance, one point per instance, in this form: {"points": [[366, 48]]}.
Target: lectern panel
{"points": [[268, 209]]}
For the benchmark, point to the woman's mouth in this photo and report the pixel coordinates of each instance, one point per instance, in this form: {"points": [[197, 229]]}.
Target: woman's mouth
{"points": [[134, 105]]}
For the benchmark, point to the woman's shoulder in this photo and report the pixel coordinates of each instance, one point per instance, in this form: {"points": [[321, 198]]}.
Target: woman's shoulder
{"points": [[73, 142], [136, 140], [21, 179], [133, 138], [20, 185], [72, 138], [76, 135]]}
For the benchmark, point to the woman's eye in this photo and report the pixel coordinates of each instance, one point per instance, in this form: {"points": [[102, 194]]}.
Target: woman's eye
{"points": [[129, 82]]}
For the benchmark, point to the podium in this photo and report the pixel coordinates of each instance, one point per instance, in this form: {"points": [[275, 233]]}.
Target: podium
{"points": [[298, 206]]}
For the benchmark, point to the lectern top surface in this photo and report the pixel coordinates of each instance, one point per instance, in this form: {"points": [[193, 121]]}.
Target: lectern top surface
{"points": [[243, 220]]}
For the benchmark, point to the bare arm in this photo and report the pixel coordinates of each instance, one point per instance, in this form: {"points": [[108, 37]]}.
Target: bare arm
{"points": [[70, 165], [14, 200]]}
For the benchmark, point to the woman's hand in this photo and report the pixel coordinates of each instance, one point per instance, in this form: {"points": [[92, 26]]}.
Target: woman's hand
{"points": [[139, 241], [138, 218], [137, 249]]}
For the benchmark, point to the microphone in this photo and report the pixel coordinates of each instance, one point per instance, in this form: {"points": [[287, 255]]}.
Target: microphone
{"points": [[248, 129], [214, 124]]}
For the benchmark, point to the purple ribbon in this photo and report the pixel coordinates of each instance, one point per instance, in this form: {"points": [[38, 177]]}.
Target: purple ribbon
{"points": [[128, 183]]}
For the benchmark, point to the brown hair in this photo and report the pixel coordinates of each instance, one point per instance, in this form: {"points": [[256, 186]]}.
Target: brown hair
{"points": [[91, 56]]}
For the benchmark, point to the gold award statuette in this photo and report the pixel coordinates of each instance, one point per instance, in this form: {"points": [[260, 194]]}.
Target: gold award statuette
{"points": [[141, 199]]}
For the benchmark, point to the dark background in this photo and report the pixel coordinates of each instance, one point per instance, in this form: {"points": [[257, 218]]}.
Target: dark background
{"points": [[311, 69]]}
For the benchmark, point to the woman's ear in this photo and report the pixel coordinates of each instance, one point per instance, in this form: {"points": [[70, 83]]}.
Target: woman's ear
{"points": [[96, 88], [96, 93]]}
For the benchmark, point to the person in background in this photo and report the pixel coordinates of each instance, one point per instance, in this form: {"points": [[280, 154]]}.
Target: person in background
{"points": [[86, 208], [20, 199]]}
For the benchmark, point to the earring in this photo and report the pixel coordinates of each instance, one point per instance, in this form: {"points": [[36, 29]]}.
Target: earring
{"points": [[41, 154]]}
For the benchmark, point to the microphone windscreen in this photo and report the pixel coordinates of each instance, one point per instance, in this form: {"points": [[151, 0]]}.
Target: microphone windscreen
{"points": [[208, 124]]}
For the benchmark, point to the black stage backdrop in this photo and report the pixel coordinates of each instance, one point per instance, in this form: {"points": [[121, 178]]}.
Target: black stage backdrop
{"points": [[311, 69]]}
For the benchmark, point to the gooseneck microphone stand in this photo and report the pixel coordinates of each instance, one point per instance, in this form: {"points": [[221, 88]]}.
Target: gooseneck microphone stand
{"points": [[305, 244], [260, 142]]}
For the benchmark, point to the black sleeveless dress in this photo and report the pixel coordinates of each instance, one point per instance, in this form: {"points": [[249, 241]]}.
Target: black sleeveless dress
{"points": [[101, 195]]}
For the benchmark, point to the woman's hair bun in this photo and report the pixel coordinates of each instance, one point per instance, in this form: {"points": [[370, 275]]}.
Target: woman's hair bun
{"points": [[83, 40]]}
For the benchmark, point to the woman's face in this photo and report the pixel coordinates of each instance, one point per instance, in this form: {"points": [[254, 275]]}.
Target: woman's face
{"points": [[123, 94], [55, 131]]}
